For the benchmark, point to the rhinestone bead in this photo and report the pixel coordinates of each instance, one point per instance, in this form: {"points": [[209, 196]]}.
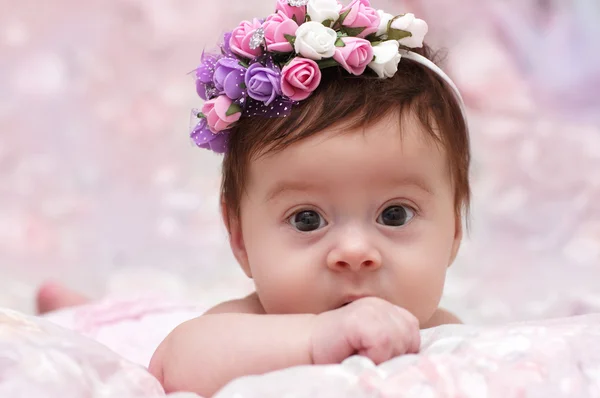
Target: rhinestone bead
{"points": [[257, 38], [298, 3]]}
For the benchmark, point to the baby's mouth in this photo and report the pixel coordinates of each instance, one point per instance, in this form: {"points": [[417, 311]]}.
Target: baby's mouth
{"points": [[351, 299]]}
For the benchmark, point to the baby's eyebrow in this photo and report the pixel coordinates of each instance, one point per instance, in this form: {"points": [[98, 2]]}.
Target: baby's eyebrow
{"points": [[411, 180], [286, 187], [294, 186]]}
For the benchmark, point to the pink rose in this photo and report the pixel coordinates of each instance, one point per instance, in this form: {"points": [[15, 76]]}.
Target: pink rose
{"points": [[216, 110], [361, 15], [355, 56], [276, 26], [300, 78], [298, 14], [240, 39]]}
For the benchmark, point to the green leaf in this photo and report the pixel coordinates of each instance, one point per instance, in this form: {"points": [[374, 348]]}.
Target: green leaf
{"points": [[288, 61], [391, 21], [291, 39], [243, 86], [343, 16], [327, 23], [244, 64], [295, 19], [354, 32], [307, 18], [327, 63], [340, 43], [372, 38], [233, 109], [397, 34], [201, 115]]}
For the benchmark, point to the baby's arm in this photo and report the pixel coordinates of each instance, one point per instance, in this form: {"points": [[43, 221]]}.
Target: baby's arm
{"points": [[231, 340], [204, 354]]}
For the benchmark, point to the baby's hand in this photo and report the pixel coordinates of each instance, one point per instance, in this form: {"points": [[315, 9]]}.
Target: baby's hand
{"points": [[370, 327]]}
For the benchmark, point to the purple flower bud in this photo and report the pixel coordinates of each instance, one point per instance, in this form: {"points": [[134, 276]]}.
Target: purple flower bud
{"points": [[229, 78], [263, 83], [225, 47], [204, 76], [206, 139]]}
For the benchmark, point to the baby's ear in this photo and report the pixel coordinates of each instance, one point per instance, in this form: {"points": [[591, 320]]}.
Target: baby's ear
{"points": [[236, 238]]}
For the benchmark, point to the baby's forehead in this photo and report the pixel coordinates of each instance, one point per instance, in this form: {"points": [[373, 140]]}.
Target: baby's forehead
{"points": [[384, 151]]}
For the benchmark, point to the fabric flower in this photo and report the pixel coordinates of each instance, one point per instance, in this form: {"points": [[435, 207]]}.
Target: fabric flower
{"points": [[300, 78], [221, 113], [361, 18], [298, 14], [225, 47], [240, 39], [315, 41], [204, 75], [356, 54], [386, 59], [263, 83], [323, 10], [384, 20], [206, 139], [276, 27], [417, 28], [229, 77]]}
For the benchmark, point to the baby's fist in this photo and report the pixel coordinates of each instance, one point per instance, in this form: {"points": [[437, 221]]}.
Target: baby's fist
{"points": [[370, 327]]}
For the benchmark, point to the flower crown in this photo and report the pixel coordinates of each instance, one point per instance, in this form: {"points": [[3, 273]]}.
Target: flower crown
{"points": [[267, 66]]}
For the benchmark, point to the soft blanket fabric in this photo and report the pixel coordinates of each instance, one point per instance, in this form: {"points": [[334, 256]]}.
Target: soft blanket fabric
{"points": [[555, 358]]}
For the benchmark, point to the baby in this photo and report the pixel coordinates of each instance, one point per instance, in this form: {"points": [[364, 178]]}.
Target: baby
{"points": [[345, 180]]}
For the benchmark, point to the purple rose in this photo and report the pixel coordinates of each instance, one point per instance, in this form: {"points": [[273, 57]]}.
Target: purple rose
{"points": [[225, 47], [204, 76], [263, 83], [206, 139], [229, 77]]}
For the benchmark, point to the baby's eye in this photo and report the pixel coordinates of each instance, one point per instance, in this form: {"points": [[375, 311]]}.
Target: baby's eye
{"points": [[307, 221], [396, 216]]}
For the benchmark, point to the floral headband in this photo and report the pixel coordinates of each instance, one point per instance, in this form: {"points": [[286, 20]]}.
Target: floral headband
{"points": [[267, 66]]}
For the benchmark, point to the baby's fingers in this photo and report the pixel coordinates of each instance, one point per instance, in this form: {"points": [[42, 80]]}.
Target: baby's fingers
{"points": [[408, 332]]}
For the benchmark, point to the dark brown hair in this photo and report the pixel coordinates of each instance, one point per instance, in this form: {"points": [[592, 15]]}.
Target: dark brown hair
{"points": [[356, 101]]}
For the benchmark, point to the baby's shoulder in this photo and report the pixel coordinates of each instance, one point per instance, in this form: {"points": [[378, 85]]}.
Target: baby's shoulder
{"points": [[441, 317], [247, 305]]}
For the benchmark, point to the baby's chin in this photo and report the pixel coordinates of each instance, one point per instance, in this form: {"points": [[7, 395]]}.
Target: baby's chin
{"points": [[286, 307], [280, 308]]}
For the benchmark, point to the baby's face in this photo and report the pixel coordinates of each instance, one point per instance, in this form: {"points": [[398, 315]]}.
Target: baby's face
{"points": [[337, 217]]}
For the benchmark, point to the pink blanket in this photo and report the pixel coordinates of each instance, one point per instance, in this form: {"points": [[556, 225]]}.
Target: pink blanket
{"points": [[557, 358]]}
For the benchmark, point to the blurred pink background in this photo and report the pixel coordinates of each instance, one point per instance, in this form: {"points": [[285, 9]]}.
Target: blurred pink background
{"points": [[101, 189]]}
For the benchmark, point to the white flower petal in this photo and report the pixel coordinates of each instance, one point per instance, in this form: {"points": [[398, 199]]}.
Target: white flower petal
{"points": [[322, 10], [418, 29], [315, 41], [384, 20], [404, 22], [387, 58]]}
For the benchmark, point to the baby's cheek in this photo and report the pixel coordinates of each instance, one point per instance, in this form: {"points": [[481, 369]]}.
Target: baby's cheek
{"points": [[418, 286], [285, 288]]}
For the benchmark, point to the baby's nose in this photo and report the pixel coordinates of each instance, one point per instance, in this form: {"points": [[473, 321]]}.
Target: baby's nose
{"points": [[354, 253]]}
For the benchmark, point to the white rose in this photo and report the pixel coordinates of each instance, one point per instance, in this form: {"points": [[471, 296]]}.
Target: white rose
{"points": [[387, 58], [315, 41], [322, 10], [384, 20], [417, 27]]}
